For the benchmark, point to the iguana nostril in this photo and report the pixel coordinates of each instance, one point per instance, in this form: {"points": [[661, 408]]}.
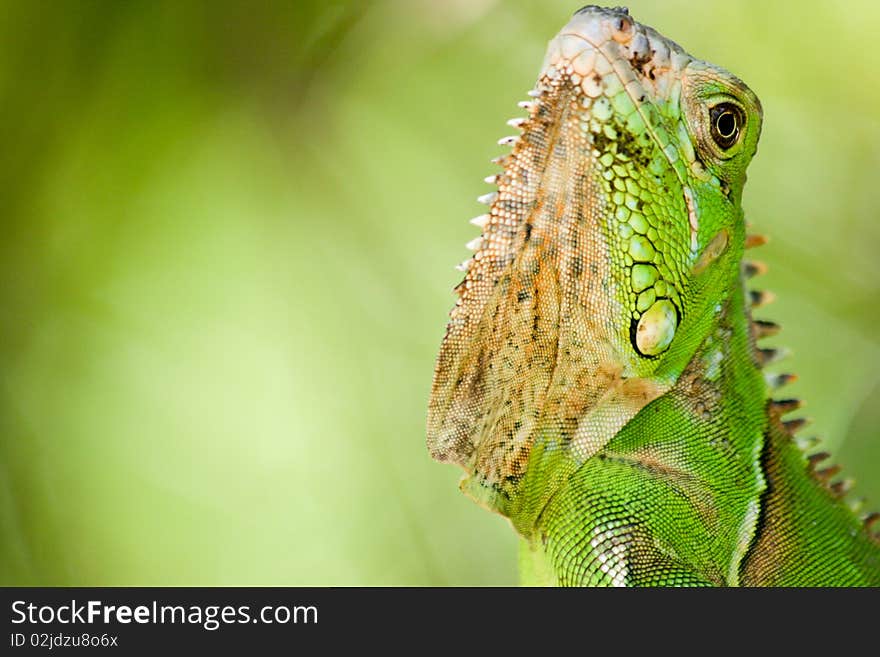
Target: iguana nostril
{"points": [[623, 29]]}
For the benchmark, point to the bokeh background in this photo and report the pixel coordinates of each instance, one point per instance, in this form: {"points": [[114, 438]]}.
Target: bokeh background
{"points": [[226, 263]]}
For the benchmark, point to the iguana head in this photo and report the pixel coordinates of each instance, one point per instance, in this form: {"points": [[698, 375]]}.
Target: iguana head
{"points": [[605, 256]]}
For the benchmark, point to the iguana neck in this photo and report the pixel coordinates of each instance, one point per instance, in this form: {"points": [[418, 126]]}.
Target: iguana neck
{"points": [[639, 505], [753, 513]]}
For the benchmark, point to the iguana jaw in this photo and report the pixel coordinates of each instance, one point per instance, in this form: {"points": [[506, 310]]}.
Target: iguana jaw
{"points": [[566, 322]]}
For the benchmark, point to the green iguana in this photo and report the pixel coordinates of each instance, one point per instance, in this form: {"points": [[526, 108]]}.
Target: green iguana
{"points": [[599, 380]]}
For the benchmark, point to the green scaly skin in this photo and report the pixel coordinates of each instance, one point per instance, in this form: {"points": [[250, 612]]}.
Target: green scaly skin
{"points": [[599, 381]]}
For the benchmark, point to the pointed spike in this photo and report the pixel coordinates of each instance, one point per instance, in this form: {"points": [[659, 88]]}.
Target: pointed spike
{"points": [[754, 268], [487, 199], [755, 240], [516, 123], [761, 298], [783, 406], [506, 141], [535, 93], [527, 105], [826, 474], [842, 487], [491, 180], [500, 160], [776, 381], [870, 519], [806, 444], [793, 426], [856, 505], [474, 244], [480, 221], [769, 356], [464, 265], [816, 459], [766, 356], [764, 329]]}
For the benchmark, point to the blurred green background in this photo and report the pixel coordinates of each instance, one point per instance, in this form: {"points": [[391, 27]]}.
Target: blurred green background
{"points": [[228, 239]]}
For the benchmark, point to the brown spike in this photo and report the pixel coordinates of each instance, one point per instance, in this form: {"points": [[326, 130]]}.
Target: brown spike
{"points": [[768, 356], [755, 240], [870, 519], [825, 474], [765, 356], [793, 426], [760, 298], [842, 487], [816, 459], [783, 406], [753, 268], [776, 381], [764, 329]]}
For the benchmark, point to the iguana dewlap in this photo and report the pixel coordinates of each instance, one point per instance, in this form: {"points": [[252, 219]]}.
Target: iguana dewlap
{"points": [[599, 380]]}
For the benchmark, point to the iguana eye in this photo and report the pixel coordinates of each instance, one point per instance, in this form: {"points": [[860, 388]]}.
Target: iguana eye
{"points": [[727, 121]]}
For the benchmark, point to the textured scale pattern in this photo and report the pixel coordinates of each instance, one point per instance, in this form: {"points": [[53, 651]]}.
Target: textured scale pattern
{"points": [[600, 381]]}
